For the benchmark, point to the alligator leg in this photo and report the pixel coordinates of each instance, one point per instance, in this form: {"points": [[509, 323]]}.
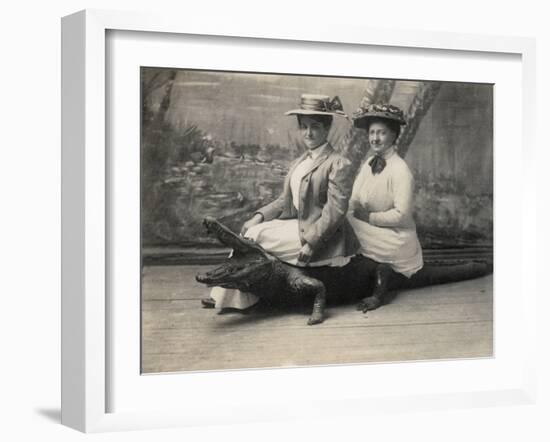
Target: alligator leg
{"points": [[318, 313], [382, 275], [306, 286]]}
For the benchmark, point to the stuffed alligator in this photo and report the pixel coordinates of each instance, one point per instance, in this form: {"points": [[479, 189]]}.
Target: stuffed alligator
{"points": [[251, 269]]}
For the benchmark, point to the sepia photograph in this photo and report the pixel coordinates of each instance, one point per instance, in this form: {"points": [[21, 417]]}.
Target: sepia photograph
{"points": [[304, 220]]}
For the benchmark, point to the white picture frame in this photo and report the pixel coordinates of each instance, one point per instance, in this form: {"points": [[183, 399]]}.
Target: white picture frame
{"points": [[86, 315]]}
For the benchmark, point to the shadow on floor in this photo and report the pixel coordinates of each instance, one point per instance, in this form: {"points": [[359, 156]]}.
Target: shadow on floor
{"points": [[51, 414], [266, 310]]}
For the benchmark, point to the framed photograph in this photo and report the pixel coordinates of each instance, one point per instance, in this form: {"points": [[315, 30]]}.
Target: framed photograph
{"points": [[182, 286]]}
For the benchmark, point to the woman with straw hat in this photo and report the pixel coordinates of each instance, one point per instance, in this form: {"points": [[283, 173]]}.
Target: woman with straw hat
{"points": [[381, 205], [306, 225]]}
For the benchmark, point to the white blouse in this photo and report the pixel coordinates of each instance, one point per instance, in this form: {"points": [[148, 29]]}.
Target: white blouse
{"points": [[388, 195], [390, 234]]}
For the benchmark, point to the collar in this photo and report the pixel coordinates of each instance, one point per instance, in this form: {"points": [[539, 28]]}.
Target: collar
{"points": [[387, 154], [317, 152]]}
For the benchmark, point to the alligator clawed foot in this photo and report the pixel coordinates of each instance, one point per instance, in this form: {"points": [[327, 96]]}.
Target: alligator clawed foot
{"points": [[315, 318], [318, 312], [369, 303]]}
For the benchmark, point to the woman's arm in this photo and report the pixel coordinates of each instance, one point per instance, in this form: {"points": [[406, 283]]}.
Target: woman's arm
{"points": [[354, 201], [266, 213], [401, 213], [274, 209]]}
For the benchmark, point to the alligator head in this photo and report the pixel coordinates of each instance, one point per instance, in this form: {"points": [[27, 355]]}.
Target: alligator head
{"points": [[248, 266]]}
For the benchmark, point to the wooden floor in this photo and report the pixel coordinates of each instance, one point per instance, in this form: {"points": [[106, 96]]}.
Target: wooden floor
{"points": [[447, 321]]}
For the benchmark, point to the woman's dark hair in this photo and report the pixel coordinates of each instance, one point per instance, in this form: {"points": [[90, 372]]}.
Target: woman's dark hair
{"points": [[392, 125], [325, 120]]}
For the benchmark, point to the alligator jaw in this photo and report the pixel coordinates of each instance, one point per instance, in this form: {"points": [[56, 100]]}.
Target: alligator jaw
{"points": [[202, 278], [230, 239], [217, 276], [238, 272]]}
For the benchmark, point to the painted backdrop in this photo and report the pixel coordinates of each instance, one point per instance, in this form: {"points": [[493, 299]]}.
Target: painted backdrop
{"points": [[218, 143]]}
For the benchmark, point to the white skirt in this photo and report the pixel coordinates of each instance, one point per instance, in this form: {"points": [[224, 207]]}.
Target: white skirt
{"points": [[279, 237], [397, 247]]}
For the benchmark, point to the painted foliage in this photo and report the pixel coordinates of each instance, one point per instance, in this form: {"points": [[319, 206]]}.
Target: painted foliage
{"points": [[217, 143]]}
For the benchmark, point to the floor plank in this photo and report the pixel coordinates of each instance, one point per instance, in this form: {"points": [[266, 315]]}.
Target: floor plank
{"points": [[446, 321]]}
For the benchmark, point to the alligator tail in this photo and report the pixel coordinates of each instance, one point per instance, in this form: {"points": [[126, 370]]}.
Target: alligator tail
{"points": [[441, 273]]}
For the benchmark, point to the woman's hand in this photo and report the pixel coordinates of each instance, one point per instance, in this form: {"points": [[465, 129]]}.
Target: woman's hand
{"points": [[256, 219], [305, 254], [361, 213]]}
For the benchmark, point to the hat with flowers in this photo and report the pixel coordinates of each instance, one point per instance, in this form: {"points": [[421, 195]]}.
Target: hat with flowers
{"points": [[362, 116]]}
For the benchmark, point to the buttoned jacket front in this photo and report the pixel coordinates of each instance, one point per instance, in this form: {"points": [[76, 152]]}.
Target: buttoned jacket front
{"points": [[325, 190]]}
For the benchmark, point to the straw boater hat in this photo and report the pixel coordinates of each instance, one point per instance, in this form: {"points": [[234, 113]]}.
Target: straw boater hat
{"points": [[318, 105], [363, 115]]}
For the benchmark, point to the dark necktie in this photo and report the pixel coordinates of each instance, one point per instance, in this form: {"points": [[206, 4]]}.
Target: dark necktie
{"points": [[377, 164]]}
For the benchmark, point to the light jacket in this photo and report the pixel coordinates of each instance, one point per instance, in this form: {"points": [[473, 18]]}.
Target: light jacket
{"points": [[324, 196]]}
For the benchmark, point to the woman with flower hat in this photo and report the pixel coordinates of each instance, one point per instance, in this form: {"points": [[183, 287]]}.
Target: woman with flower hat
{"points": [[306, 225], [381, 205]]}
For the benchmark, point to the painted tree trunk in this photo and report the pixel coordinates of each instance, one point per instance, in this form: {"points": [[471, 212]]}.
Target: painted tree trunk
{"points": [[420, 105], [354, 144]]}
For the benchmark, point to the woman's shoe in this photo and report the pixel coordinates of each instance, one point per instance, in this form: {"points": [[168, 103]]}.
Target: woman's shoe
{"points": [[208, 303]]}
